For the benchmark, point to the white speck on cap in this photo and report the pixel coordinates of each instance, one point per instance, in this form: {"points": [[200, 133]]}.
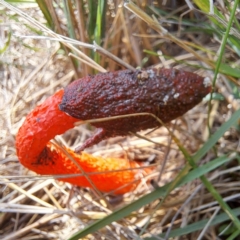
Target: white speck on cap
{"points": [[151, 73], [165, 99], [176, 95], [207, 82]]}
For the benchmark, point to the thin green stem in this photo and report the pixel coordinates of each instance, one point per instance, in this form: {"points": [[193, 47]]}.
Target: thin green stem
{"points": [[222, 49]]}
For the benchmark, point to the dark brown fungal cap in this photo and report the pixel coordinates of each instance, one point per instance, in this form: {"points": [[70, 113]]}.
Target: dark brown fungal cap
{"points": [[166, 93]]}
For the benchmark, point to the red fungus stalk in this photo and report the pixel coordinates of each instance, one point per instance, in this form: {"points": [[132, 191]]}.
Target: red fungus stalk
{"points": [[36, 153]]}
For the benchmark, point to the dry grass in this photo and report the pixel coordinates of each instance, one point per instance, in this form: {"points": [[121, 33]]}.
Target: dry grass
{"points": [[38, 207]]}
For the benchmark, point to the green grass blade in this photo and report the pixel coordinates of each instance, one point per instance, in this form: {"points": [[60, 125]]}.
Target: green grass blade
{"points": [[234, 235], [92, 6], [228, 70], [5, 46], [221, 202], [70, 25], [42, 5], [204, 5], [100, 25], [21, 1], [100, 22], [216, 136]]}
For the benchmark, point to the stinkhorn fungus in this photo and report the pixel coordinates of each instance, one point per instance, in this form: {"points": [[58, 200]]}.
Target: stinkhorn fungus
{"points": [[166, 93]]}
